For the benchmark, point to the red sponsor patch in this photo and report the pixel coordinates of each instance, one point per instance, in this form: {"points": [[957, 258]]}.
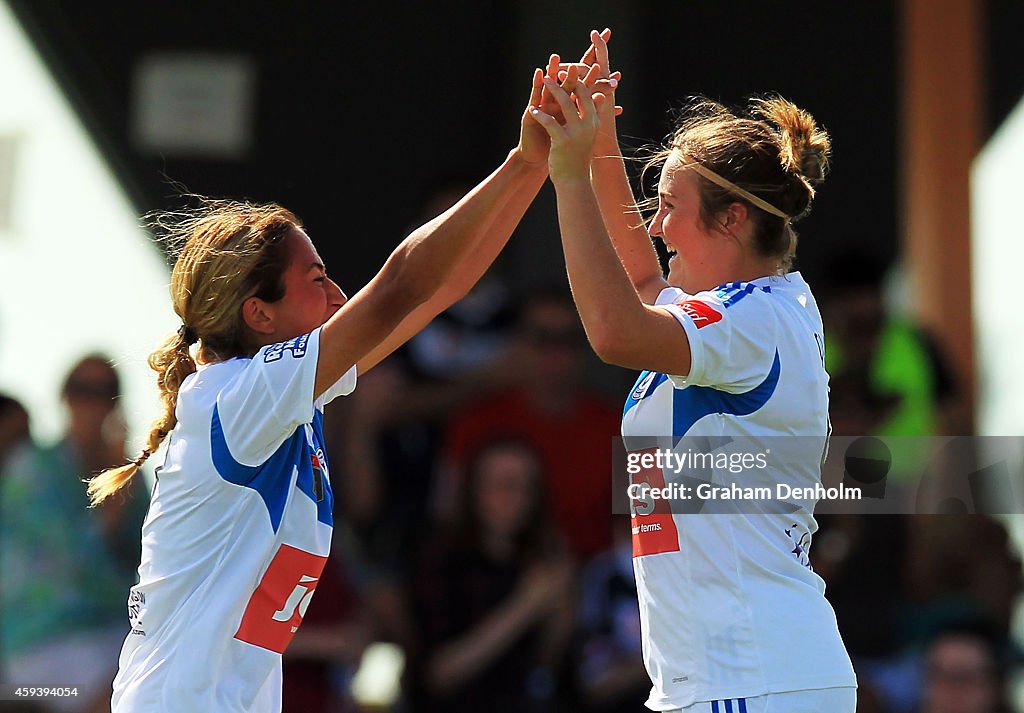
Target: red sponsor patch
{"points": [[701, 313], [276, 608], [654, 528]]}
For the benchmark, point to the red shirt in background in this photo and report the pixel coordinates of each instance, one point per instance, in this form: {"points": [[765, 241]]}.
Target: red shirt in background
{"points": [[577, 452]]}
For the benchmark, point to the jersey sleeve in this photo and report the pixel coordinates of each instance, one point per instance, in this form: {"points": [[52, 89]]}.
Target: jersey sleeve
{"points": [[265, 402], [732, 339], [342, 387]]}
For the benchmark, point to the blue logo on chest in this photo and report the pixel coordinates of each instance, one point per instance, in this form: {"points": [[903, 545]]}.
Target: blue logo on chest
{"points": [[645, 385]]}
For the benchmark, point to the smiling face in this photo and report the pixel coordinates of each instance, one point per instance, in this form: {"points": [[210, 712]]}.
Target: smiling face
{"points": [[700, 254], [703, 255], [310, 297]]}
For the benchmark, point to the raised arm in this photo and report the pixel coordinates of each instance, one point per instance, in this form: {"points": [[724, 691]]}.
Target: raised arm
{"points": [[622, 217], [622, 329], [438, 263]]}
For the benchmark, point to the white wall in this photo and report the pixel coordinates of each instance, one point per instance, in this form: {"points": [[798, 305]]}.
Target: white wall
{"points": [[77, 273], [997, 245], [997, 254]]}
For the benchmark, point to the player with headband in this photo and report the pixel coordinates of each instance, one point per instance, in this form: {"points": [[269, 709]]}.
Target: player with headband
{"points": [[730, 344]]}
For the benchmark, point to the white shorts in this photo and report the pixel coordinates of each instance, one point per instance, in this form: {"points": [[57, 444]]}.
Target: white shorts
{"points": [[833, 700]]}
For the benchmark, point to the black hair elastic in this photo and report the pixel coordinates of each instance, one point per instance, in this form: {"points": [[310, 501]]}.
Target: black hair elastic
{"points": [[188, 334]]}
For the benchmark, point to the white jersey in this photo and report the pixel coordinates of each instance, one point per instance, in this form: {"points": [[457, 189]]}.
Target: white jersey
{"points": [[730, 607], [237, 535]]}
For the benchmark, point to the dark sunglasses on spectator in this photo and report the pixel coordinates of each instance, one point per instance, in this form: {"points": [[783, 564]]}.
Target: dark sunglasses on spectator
{"points": [[92, 390]]}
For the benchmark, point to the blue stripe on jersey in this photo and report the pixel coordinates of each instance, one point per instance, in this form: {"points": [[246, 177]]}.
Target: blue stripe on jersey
{"points": [[727, 288], [728, 706], [325, 507], [738, 285], [736, 297], [641, 390], [743, 705], [714, 706], [732, 292], [272, 478], [693, 403]]}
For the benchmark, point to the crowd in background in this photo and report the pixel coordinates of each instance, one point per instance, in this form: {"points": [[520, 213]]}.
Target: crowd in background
{"points": [[474, 527], [66, 568]]}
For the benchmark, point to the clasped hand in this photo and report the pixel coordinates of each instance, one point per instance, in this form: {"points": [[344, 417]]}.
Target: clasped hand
{"points": [[556, 95]]}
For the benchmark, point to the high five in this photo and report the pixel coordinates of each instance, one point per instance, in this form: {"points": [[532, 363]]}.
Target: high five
{"points": [[733, 617]]}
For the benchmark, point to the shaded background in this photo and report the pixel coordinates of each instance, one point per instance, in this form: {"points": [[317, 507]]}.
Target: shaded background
{"points": [[361, 107], [361, 112]]}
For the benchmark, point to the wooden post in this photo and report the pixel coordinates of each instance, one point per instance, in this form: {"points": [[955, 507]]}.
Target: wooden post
{"points": [[941, 134]]}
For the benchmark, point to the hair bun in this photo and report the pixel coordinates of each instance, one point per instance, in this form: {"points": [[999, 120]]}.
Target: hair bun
{"points": [[804, 147], [813, 164]]}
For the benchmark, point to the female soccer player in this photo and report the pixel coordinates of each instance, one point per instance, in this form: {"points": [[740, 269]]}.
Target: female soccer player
{"points": [[241, 517], [730, 343]]}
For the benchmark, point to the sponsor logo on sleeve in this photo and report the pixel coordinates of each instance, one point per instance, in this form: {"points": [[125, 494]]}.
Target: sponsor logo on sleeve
{"points": [[296, 347], [701, 313]]}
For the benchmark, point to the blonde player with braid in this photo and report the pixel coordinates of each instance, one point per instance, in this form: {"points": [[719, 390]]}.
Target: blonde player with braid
{"points": [[734, 619], [240, 521]]}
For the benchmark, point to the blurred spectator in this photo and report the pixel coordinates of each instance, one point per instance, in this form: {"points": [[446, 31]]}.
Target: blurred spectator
{"points": [[904, 372], [856, 407], [492, 595], [470, 334], [896, 580], [14, 427], [964, 671], [388, 432], [551, 406], [473, 332], [857, 554], [859, 557], [67, 569], [962, 566], [609, 666], [388, 445], [325, 653], [393, 422]]}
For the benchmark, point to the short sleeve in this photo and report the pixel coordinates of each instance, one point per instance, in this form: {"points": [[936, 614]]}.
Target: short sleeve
{"points": [[732, 340], [342, 387], [266, 401]]}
